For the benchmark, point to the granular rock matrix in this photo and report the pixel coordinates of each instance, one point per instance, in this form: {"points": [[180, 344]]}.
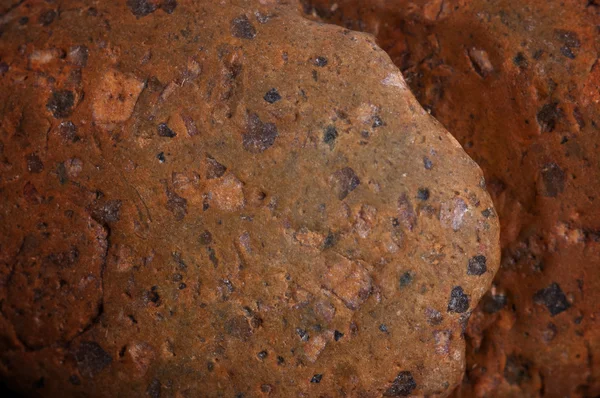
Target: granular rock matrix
{"points": [[518, 84], [225, 199]]}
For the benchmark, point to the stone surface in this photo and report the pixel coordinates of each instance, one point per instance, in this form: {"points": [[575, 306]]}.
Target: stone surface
{"points": [[517, 83], [203, 198]]}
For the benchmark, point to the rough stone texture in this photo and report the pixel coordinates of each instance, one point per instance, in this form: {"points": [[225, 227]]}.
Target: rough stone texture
{"points": [[202, 198], [517, 83]]}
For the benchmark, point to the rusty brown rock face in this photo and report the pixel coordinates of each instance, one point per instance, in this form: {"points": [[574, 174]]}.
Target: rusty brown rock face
{"points": [[517, 83], [203, 198]]}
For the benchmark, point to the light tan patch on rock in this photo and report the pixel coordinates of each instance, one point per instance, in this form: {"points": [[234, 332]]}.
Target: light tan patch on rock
{"points": [[308, 238], [142, 356], [452, 213], [115, 97], [314, 347], [349, 281], [227, 194], [366, 219], [442, 341]]}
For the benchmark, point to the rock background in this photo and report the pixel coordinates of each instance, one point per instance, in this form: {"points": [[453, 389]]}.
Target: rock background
{"points": [[517, 84]]}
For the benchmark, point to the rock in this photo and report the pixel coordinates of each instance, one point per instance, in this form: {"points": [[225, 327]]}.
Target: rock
{"points": [[517, 84], [174, 226]]}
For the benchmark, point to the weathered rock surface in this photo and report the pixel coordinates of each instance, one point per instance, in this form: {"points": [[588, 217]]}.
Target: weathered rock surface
{"points": [[203, 198], [517, 83]]}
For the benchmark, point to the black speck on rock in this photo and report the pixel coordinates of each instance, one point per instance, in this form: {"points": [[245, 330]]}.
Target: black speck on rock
{"points": [[272, 96], [154, 389], [91, 358], [259, 136], [553, 179], [520, 60], [487, 213], [423, 194], [344, 181], [329, 241], [567, 52], [548, 116], [205, 238], [337, 335], [477, 265], [459, 301], [569, 38], [47, 17], [178, 259], [402, 386], [141, 8], [329, 135], [75, 380], [516, 370], [321, 62], [427, 163], [303, 334], [406, 279], [161, 157], [316, 378], [242, 28], [377, 122], [152, 296], [165, 131], [570, 41], [553, 298], [212, 256], [61, 103], [168, 6], [262, 355], [579, 118], [34, 163], [39, 383]]}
